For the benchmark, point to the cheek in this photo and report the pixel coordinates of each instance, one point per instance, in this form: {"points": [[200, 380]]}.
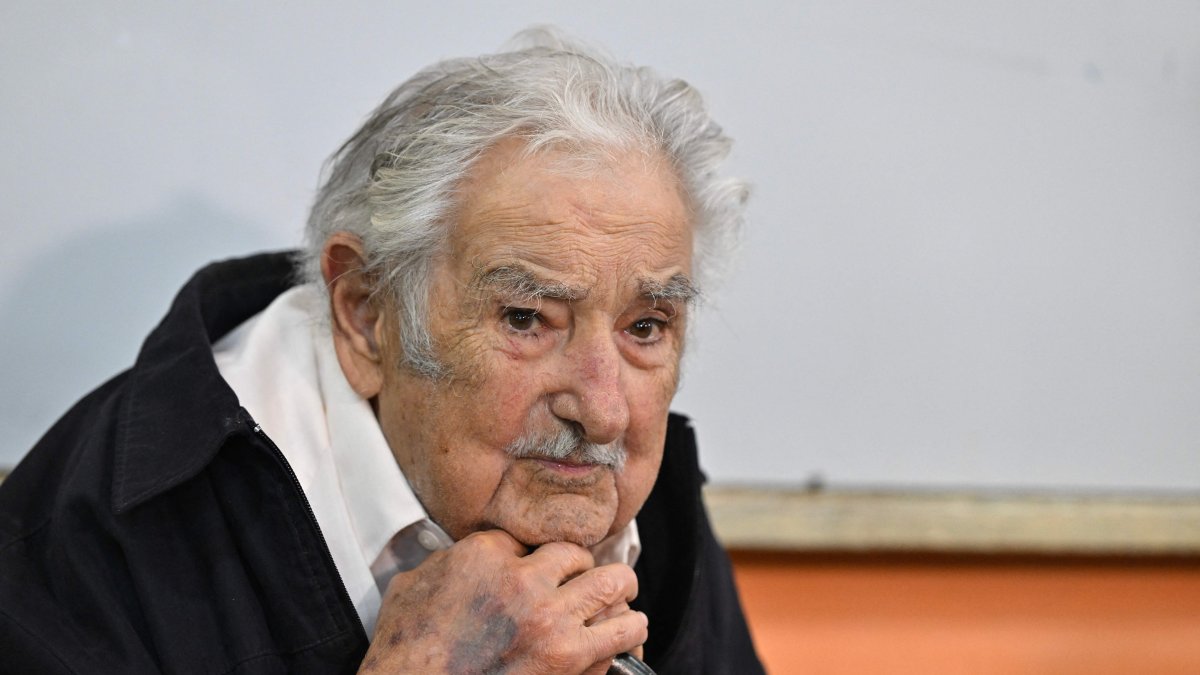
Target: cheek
{"points": [[644, 444], [500, 407], [490, 391], [461, 484], [636, 481], [649, 394], [468, 476]]}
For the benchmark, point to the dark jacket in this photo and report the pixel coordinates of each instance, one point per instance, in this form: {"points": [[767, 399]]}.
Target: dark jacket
{"points": [[155, 529]]}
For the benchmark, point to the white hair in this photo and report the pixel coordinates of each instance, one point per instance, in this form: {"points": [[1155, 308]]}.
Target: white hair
{"points": [[393, 182], [568, 442]]}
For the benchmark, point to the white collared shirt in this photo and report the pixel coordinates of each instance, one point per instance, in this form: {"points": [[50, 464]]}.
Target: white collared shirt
{"points": [[283, 368]]}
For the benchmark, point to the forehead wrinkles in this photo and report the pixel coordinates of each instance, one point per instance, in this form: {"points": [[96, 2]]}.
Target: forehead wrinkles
{"points": [[577, 249], [601, 230], [580, 243], [633, 194], [573, 262], [565, 217]]}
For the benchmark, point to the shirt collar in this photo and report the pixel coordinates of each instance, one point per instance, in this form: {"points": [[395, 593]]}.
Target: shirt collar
{"points": [[377, 495]]}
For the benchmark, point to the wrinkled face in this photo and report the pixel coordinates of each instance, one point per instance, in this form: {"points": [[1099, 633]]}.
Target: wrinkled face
{"points": [[559, 306]]}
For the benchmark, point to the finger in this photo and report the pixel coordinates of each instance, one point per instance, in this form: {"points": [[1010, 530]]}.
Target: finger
{"points": [[619, 634], [591, 592], [495, 540], [608, 613], [612, 612], [560, 560]]}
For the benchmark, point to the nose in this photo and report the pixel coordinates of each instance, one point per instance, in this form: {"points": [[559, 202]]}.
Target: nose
{"points": [[594, 397]]}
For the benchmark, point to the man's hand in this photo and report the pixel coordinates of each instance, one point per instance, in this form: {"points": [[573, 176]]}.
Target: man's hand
{"points": [[483, 606]]}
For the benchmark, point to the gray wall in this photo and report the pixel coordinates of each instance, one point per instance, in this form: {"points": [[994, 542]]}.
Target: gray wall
{"points": [[974, 250]]}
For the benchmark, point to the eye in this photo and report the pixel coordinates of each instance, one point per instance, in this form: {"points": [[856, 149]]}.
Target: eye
{"points": [[646, 330], [521, 320]]}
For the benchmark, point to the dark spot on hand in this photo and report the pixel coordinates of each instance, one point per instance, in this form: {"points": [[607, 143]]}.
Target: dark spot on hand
{"points": [[490, 634], [395, 638]]}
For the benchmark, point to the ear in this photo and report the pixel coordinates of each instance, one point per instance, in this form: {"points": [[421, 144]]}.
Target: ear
{"points": [[358, 322]]}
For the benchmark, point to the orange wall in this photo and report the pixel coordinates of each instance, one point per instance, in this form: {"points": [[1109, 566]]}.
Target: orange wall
{"points": [[877, 615]]}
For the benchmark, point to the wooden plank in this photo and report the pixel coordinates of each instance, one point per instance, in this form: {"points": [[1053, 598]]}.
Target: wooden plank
{"points": [[968, 522]]}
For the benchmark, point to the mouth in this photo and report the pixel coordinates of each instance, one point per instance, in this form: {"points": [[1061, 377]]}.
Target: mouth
{"points": [[567, 474], [568, 466]]}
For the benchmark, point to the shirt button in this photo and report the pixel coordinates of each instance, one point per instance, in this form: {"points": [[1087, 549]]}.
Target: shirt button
{"points": [[428, 540]]}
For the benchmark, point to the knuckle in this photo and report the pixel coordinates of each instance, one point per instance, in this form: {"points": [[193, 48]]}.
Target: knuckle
{"points": [[525, 581], [467, 548], [557, 659], [583, 557], [605, 585], [510, 584], [639, 628], [628, 582], [643, 628], [627, 572], [625, 633], [541, 619], [483, 540], [571, 553]]}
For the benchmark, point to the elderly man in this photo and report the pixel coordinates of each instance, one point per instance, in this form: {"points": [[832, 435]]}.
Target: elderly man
{"points": [[446, 446]]}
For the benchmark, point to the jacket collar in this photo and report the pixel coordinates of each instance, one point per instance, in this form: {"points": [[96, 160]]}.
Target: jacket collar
{"points": [[179, 410]]}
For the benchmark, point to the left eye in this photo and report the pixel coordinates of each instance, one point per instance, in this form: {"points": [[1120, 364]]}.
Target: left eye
{"points": [[645, 329], [521, 320]]}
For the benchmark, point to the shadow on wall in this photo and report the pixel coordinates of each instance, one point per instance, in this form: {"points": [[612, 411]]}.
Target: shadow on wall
{"points": [[79, 314]]}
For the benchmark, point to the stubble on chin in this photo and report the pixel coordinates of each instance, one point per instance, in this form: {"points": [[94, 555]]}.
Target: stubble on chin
{"points": [[536, 506]]}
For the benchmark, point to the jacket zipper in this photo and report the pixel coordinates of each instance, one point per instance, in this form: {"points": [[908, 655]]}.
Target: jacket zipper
{"points": [[312, 517]]}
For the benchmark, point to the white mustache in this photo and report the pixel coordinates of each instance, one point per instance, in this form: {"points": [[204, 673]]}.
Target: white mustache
{"points": [[568, 443]]}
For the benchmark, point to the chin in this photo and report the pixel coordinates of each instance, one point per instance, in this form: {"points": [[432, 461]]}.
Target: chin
{"points": [[536, 536], [583, 527], [586, 540]]}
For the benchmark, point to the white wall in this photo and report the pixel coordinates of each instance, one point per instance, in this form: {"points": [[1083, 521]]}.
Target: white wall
{"points": [[974, 252]]}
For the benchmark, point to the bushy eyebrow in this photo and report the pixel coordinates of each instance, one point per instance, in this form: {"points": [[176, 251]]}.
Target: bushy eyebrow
{"points": [[521, 282], [679, 288]]}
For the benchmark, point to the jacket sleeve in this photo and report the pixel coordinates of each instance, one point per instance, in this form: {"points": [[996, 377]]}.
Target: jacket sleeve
{"points": [[727, 637], [26, 652], [687, 587]]}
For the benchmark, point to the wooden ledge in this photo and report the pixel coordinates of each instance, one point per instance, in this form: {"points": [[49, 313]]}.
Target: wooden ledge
{"points": [[847, 520], [901, 521]]}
